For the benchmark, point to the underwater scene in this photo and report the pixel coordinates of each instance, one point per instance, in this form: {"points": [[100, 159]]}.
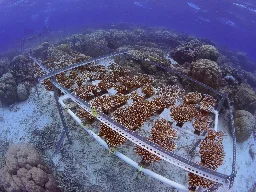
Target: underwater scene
{"points": [[127, 96]]}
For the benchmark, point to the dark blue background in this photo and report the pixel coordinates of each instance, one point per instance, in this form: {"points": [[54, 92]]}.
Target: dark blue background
{"points": [[221, 21]]}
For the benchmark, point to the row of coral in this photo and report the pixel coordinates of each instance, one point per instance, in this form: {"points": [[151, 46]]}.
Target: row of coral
{"points": [[194, 107]]}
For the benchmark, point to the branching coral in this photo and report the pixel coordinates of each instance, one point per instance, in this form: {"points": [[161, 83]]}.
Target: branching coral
{"points": [[48, 85], [212, 156], [135, 115], [211, 150], [192, 98], [172, 92], [112, 138], [161, 134], [183, 113], [208, 103], [82, 114], [64, 80], [162, 130], [109, 103], [88, 92], [201, 123], [167, 97], [195, 180], [148, 90]]}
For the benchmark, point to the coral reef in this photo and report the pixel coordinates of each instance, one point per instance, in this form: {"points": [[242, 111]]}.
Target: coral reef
{"points": [[251, 79], [21, 69], [245, 99], [4, 65], [208, 52], [244, 62], [245, 124], [187, 52], [25, 171], [207, 72], [152, 45], [41, 51], [201, 123], [8, 89], [151, 54], [22, 92], [92, 44]]}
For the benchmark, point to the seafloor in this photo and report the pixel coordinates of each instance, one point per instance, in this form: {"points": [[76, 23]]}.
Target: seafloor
{"points": [[84, 165]]}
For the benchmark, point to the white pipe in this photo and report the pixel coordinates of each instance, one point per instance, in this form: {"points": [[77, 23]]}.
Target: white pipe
{"points": [[216, 121], [122, 156]]}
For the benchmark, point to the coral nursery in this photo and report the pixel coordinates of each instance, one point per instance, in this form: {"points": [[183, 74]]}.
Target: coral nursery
{"points": [[175, 111]]}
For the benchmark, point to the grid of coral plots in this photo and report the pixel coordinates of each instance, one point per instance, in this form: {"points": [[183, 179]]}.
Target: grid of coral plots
{"points": [[150, 102]]}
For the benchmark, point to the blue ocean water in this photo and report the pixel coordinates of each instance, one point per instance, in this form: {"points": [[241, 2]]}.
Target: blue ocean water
{"points": [[226, 22]]}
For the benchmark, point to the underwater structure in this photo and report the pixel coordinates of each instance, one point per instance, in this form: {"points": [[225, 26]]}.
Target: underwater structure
{"points": [[104, 95]]}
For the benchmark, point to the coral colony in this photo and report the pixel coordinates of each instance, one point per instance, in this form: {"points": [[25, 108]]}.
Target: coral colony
{"points": [[130, 99]]}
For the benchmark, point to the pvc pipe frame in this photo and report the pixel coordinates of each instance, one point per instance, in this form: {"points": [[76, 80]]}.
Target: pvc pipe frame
{"points": [[120, 155], [216, 121]]}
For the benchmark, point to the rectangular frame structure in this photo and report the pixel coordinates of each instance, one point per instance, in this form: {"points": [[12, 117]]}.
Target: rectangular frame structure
{"points": [[141, 141]]}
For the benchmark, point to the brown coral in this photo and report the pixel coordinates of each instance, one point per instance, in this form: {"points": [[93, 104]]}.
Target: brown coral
{"points": [[208, 103], [183, 113], [161, 134], [135, 115], [163, 130], [196, 180], [192, 98], [148, 90], [201, 123], [112, 138], [82, 114], [25, 171], [109, 103], [148, 157], [212, 156]]}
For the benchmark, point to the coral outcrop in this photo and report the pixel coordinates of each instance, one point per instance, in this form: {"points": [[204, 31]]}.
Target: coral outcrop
{"points": [[24, 170], [245, 99], [187, 52], [208, 52], [245, 124], [8, 89], [4, 65], [21, 68], [22, 92], [207, 72], [41, 51]]}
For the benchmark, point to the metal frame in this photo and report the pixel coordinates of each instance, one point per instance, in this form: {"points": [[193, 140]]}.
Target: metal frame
{"points": [[141, 141]]}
